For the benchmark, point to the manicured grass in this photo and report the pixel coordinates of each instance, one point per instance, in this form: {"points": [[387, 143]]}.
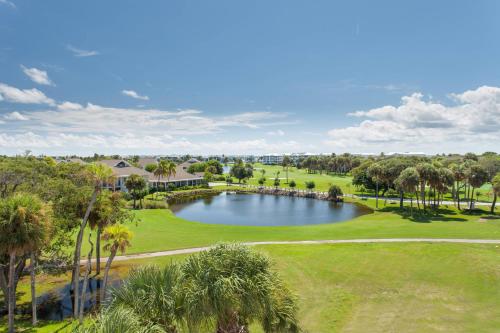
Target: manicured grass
{"points": [[404, 287], [322, 181], [161, 230]]}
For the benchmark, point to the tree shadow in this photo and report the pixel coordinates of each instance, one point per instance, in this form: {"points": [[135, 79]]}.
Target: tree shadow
{"points": [[425, 216]]}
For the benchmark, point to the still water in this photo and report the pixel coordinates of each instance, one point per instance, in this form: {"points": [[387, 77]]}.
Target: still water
{"points": [[265, 210]]}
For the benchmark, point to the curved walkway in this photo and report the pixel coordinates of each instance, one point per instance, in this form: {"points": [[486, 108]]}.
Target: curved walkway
{"points": [[306, 242]]}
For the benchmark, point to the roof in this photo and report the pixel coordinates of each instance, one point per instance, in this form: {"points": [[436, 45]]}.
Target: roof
{"points": [[143, 161], [71, 160], [122, 168], [180, 174]]}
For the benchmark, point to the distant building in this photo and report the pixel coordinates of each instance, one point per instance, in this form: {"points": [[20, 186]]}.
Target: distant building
{"points": [[121, 171], [70, 160], [271, 159], [143, 161]]}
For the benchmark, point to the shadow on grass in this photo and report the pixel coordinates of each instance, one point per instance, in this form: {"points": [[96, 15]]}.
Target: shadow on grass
{"points": [[425, 216]]}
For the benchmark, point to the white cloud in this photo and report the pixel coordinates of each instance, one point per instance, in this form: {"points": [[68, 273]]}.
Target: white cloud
{"points": [[81, 53], [69, 117], [276, 133], [472, 121], [24, 96], [37, 75], [135, 95], [15, 116], [8, 3], [68, 106]]}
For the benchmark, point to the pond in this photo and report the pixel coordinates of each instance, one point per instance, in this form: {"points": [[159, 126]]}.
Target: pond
{"points": [[265, 210]]}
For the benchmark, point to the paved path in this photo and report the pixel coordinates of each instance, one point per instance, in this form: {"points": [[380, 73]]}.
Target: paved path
{"points": [[307, 242]]}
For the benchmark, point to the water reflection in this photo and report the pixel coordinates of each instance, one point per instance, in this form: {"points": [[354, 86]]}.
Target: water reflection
{"points": [[264, 210]]}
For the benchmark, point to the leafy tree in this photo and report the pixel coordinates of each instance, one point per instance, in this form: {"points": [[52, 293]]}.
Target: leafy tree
{"points": [[25, 223], [292, 184], [151, 167], [276, 182], [208, 177], [262, 181], [334, 192], [117, 238], [241, 171], [135, 184], [229, 180]]}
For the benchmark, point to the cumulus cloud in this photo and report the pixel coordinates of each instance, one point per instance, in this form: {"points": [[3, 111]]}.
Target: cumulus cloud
{"points": [[37, 75], [135, 95], [81, 53], [472, 118], [66, 143], [15, 116], [24, 96]]}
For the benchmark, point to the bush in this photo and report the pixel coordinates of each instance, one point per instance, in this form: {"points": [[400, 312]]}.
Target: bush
{"points": [[148, 204], [292, 183], [334, 192]]}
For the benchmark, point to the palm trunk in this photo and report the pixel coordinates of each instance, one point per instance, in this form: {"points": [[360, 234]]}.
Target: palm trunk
{"points": [[411, 205], [98, 250], [471, 198], [418, 204], [4, 284], [86, 279], [376, 199], [106, 273], [401, 199], [422, 193], [494, 202], [78, 250], [11, 299], [134, 198], [34, 319]]}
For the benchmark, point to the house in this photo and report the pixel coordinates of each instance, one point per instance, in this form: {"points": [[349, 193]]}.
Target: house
{"points": [[188, 163], [181, 178], [121, 171]]}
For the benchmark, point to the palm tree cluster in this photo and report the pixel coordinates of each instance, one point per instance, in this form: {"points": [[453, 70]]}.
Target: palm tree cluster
{"points": [[337, 164], [223, 290], [429, 180]]}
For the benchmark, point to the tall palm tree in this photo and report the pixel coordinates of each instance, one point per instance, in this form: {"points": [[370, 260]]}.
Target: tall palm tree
{"points": [[25, 225], [286, 164], [117, 238], [99, 174], [375, 172], [426, 172], [171, 170], [476, 177], [160, 172]]}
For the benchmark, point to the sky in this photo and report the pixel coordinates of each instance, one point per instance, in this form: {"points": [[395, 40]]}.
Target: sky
{"points": [[249, 77]]}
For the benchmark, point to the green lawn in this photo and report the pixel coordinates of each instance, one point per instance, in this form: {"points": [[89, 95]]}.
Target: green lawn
{"points": [[408, 287], [323, 181], [160, 229]]}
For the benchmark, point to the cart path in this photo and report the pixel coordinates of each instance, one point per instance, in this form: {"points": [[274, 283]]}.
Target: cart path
{"points": [[307, 242]]}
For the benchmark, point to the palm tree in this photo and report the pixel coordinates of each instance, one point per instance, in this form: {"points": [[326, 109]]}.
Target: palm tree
{"points": [[375, 172], [286, 164], [99, 174], [25, 225], [476, 177], [171, 170], [117, 238], [426, 172], [496, 191], [135, 184], [162, 171], [408, 182], [232, 286]]}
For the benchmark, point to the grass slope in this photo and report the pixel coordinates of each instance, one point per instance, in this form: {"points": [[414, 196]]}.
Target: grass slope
{"points": [[161, 230]]}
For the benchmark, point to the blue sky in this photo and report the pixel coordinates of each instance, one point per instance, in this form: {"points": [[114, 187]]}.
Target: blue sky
{"points": [[160, 77]]}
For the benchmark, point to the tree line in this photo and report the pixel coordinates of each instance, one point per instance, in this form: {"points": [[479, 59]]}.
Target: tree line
{"points": [[428, 180]]}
